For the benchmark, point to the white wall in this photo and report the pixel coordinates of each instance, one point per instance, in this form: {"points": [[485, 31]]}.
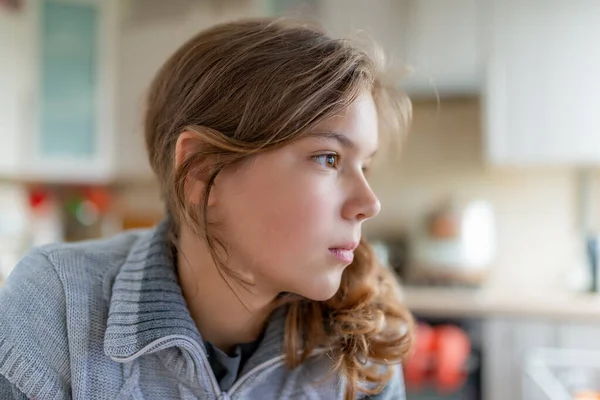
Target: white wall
{"points": [[535, 208]]}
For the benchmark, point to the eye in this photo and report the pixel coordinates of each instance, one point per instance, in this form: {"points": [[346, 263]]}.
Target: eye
{"points": [[327, 160]]}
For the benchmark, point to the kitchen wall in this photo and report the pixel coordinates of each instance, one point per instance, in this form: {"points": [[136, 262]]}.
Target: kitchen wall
{"points": [[535, 208]]}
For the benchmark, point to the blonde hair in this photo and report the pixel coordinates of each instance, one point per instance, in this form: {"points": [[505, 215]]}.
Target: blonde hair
{"points": [[255, 85]]}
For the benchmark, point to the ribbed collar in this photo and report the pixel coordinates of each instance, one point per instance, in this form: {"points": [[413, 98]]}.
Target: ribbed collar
{"points": [[147, 304]]}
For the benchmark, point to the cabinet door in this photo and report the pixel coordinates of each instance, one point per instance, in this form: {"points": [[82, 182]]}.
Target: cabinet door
{"points": [[444, 45], [497, 377], [68, 134], [385, 21], [579, 336], [506, 344], [439, 40], [542, 91]]}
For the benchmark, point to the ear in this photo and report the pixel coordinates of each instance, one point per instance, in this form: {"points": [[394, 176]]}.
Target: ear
{"points": [[188, 144]]}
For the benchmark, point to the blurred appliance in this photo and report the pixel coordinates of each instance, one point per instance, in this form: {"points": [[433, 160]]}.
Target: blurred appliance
{"points": [[393, 252], [456, 245]]}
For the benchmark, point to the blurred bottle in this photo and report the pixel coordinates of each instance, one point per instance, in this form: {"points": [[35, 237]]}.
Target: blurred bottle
{"points": [[14, 238], [592, 251], [45, 218]]}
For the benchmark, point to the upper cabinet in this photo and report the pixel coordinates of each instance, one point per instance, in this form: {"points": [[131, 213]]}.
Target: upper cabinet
{"points": [[384, 21], [61, 59], [73, 73], [73, 77], [439, 40], [444, 44], [542, 90]]}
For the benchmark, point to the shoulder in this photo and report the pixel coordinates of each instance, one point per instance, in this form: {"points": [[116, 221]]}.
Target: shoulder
{"points": [[38, 296], [33, 336], [50, 273], [93, 257], [42, 281]]}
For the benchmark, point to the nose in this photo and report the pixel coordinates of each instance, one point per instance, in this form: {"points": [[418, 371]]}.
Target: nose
{"points": [[363, 204]]}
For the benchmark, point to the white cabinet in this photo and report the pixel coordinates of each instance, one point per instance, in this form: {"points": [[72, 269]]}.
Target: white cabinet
{"points": [[579, 336], [505, 346], [73, 76], [542, 91], [384, 21], [59, 121], [439, 39], [444, 44]]}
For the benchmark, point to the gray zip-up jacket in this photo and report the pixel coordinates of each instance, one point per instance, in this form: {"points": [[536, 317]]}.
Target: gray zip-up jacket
{"points": [[107, 320]]}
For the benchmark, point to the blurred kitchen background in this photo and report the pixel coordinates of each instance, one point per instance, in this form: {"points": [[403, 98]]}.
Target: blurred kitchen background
{"points": [[490, 213]]}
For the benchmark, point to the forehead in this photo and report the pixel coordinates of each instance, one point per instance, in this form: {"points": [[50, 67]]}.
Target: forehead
{"points": [[358, 122]]}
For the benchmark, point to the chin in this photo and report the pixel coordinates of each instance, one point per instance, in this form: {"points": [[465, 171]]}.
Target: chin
{"points": [[322, 290]]}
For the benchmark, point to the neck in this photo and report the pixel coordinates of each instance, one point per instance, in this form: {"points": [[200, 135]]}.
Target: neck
{"points": [[225, 312]]}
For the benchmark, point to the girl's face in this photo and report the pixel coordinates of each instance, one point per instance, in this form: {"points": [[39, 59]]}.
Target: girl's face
{"points": [[292, 217]]}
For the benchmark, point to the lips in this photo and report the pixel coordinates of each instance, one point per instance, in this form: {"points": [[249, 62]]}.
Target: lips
{"points": [[346, 246], [345, 252], [344, 255]]}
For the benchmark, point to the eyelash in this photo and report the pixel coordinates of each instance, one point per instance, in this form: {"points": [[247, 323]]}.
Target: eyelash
{"points": [[336, 157]]}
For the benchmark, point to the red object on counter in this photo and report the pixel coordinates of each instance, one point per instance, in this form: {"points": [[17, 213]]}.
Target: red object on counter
{"points": [[452, 352], [417, 367], [100, 197], [37, 197], [440, 356]]}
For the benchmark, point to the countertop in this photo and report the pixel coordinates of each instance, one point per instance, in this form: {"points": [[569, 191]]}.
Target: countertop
{"points": [[456, 302]]}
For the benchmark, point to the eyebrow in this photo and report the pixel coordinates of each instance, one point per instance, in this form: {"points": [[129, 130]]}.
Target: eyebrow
{"points": [[342, 139]]}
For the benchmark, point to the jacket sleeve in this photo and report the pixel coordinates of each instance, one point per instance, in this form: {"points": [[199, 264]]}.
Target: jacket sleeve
{"points": [[34, 350], [394, 390], [8, 391]]}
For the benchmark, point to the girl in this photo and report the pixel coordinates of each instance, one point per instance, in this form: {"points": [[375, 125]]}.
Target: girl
{"points": [[258, 284]]}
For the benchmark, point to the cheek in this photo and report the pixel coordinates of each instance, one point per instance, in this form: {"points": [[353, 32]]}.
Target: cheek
{"points": [[287, 211], [306, 217], [279, 225], [296, 207]]}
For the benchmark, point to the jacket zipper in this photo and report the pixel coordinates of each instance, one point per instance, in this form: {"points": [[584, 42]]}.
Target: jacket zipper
{"points": [[266, 365]]}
